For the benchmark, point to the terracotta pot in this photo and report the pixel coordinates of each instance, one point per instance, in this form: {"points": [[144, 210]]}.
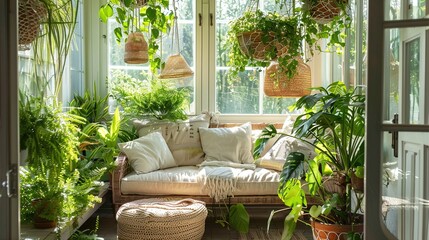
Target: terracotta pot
{"points": [[323, 231], [252, 46], [44, 207]]}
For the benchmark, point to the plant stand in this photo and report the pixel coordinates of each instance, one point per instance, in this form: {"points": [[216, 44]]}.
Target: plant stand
{"points": [[67, 228]]}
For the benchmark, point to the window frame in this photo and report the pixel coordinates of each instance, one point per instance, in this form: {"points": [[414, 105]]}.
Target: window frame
{"points": [[323, 65]]}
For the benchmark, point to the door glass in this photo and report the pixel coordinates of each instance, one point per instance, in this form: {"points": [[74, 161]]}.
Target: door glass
{"points": [[412, 9], [405, 208], [411, 83], [404, 74]]}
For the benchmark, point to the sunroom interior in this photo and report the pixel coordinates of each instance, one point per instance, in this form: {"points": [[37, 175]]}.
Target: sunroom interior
{"points": [[74, 75]]}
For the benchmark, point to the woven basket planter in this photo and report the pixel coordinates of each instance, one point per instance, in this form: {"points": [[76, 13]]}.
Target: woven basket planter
{"points": [[278, 84], [324, 11], [161, 219], [252, 46], [136, 49], [31, 14]]}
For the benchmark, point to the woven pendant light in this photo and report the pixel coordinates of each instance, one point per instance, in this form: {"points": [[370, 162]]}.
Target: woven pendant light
{"points": [[136, 49], [278, 84], [176, 65]]}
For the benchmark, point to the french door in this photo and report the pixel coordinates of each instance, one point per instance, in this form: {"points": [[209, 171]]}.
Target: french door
{"points": [[9, 204], [397, 144]]}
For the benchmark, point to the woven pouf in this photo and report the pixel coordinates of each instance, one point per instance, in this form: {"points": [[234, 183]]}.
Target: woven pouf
{"points": [[164, 219]]}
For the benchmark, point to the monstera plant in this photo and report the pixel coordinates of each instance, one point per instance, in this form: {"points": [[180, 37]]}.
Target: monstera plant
{"points": [[334, 123]]}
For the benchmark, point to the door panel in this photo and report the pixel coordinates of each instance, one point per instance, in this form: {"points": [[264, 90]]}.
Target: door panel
{"points": [[397, 78], [9, 204]]}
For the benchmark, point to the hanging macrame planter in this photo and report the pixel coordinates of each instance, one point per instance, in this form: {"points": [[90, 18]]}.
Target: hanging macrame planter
{"points": [[324, 11], [31, 14], [176, 65], [136, 49], [252, 45], [278, 84]]}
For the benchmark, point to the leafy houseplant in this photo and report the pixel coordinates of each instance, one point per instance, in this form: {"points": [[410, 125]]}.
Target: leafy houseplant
{"points": [[328, 18], [334, 120], [152, 17], [152, 99], [276, 37], [60, 185]]}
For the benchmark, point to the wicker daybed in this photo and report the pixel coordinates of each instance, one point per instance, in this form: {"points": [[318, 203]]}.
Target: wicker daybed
{"points": [[253, 187]]}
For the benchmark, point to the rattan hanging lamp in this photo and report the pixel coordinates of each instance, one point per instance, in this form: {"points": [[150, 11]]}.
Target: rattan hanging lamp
{"points": [[176, 65], [136, 48]]}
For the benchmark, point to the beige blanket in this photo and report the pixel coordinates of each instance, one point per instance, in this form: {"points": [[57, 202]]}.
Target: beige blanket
{"points": [[219, 179]]}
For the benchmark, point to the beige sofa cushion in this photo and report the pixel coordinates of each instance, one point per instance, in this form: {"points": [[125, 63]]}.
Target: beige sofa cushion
{"points": [[184, 181], [228, 144], [182, 137], [148, 153]]}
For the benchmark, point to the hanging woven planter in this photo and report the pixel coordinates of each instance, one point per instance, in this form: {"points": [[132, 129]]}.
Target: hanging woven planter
{"points": [[176, 67], [252, 45], [324, 11], [136, 49], [278, 84], [31, 13]]}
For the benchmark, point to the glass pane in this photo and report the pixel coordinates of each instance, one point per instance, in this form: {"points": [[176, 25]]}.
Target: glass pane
{"points": [[119, 70], [413, 9], [405, 57], [238, 97], [405, 208], [241, 96]]}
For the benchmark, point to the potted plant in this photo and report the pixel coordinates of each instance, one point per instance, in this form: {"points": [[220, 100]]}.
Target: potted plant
{"points": [[326, 19], [150, 16], [150, 98], [56, 184], [334, 123], [256, 38]]}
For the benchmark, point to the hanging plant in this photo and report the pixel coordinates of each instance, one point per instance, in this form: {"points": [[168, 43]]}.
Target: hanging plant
{"points": [[151, 17], [256, 38]]}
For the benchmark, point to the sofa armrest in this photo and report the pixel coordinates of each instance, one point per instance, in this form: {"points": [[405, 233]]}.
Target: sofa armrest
{"points": [[122, 168]]}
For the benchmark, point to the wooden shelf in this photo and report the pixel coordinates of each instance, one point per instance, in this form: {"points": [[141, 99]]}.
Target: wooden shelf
{"points": [[28, 232]]}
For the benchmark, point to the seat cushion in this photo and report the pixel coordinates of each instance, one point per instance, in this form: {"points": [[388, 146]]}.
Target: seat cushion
{"points": [[184, 181]]}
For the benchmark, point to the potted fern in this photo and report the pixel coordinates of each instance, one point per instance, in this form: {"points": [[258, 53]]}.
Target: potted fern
{"points": [[334, 123]]}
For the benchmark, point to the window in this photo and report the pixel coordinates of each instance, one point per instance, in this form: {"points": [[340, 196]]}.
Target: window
{"points": [[202, 29]]}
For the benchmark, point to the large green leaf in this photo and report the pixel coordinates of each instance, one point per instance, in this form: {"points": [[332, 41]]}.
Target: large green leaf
{"points": [[239, 218], [293, 166], [267, 133]]}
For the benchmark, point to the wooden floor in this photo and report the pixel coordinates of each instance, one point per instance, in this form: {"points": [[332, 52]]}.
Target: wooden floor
{"points": [[213, 230]]}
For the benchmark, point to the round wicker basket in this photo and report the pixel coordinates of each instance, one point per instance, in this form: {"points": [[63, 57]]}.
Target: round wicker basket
{"points": [[161, 219], [251, 45], [278, 84], [31, 13], [136, 49]]}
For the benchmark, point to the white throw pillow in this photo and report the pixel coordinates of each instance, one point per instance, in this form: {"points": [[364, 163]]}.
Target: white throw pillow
{"points": [[228, 144], [148, 153], [277, 154], [182, 137]]}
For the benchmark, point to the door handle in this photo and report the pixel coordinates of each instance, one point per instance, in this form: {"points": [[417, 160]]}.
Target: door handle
{"points": [[395, 136]]}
